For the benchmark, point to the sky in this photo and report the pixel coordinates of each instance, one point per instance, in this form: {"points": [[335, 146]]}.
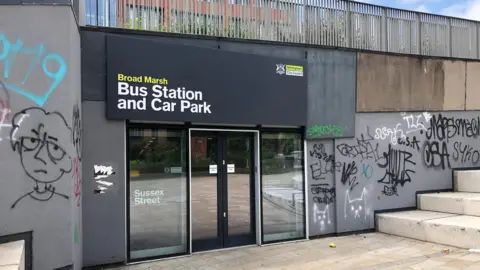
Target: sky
{"points": [[468, 9]]}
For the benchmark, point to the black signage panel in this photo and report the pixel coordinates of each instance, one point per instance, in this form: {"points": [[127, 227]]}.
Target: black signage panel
{"points": [[157, 81]]}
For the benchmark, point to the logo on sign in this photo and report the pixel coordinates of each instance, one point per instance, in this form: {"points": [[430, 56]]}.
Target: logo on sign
{"points": [[280, 69], [290, 70]]}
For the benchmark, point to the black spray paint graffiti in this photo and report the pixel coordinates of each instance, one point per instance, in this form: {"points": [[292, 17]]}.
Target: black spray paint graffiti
{"points": [[323, 163], [465, 153], [349, 173], [39, 145], [410, 142], [435, 155], [364, 148], [444, 128], [398, 168], [323, 194]]}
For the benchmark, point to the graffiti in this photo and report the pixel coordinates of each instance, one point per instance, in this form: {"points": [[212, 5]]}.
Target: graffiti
{"points": [[39, 145], [102, 172], [77, 180], [4, 116], [77, 131], [411, 143], [321, 217], [76, 234], [393, 134], [325, 130], [367, 171], [41, 60], [322, 194], [389, 190], [465, 153], [363, 148], [4, 98], [349, 172], [445, 128], [356, 207], [415, 123], [435, 155], [398, 167], [324, 164]]}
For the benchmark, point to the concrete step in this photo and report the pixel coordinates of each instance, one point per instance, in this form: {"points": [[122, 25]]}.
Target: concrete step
{"points": [[462, 203], [467, 181], [407, 223], [443, 228]]}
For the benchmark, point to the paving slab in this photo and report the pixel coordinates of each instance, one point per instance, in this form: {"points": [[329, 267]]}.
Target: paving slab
{"points": [[370, 251]]}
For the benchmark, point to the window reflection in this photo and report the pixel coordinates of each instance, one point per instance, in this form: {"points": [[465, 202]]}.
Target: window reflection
{"points": [[282, 186], [158, 192]]}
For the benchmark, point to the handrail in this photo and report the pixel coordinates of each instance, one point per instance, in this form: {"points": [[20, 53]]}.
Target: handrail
{"points": [[338, 23]]}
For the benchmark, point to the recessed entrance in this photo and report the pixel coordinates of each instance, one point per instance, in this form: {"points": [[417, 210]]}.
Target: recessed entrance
{"points": [[222, 189]]}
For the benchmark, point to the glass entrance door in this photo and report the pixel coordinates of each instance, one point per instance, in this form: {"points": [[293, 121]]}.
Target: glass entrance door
{"points": [[222, 190]]}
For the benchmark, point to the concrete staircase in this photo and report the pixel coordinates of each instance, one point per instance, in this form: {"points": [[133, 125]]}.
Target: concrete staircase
{"points": [[449, 218]]}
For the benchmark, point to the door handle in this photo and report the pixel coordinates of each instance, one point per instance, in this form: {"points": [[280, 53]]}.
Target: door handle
{"points": [[224, 214]]}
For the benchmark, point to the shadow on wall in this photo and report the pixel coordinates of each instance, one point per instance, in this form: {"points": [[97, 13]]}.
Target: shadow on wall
{"points": [[392, 157]]}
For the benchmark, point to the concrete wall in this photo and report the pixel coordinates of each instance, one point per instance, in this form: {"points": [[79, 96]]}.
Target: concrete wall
{"points": [[393, 156], [407, 83], [40, 132]]}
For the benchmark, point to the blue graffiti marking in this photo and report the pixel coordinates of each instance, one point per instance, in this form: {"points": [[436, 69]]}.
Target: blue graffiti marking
{"points": [[367, 171], [9, 54]]}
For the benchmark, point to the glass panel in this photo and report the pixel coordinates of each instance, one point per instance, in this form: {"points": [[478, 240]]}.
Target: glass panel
{"points": [[204, 188], [158, 192], [238, 175], [282, 186]]}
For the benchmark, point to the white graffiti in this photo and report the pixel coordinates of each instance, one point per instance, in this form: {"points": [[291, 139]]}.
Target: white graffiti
{"points": [[3, 125], [427, 116], [101, 171], [393, 134], [321, 217], [356, 207], [415, 122]]}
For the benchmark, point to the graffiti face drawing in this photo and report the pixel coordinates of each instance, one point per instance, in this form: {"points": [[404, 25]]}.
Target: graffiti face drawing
{"points": [[40, 140]]}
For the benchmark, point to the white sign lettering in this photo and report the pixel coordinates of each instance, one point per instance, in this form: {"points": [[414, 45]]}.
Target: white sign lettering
{"points": [[143, 197], [163, 99]]}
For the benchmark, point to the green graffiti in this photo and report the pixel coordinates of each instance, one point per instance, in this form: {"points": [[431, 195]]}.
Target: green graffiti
{"points": [[75, 234], [325, 130]]}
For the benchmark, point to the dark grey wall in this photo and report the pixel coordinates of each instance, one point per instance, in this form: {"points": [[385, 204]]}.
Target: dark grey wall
{"points": [[321, 187], [31, 100], [331, 94], [103, 214], [109, 209]]}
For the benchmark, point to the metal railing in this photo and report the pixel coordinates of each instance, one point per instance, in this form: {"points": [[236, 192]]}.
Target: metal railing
{"points": [[338, 23]]}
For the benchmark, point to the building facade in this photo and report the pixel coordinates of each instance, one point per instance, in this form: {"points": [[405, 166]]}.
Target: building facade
{"points": [[120, 146]]}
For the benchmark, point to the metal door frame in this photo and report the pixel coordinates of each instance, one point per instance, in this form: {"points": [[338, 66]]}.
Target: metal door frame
{"points": [[256, 148]]}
